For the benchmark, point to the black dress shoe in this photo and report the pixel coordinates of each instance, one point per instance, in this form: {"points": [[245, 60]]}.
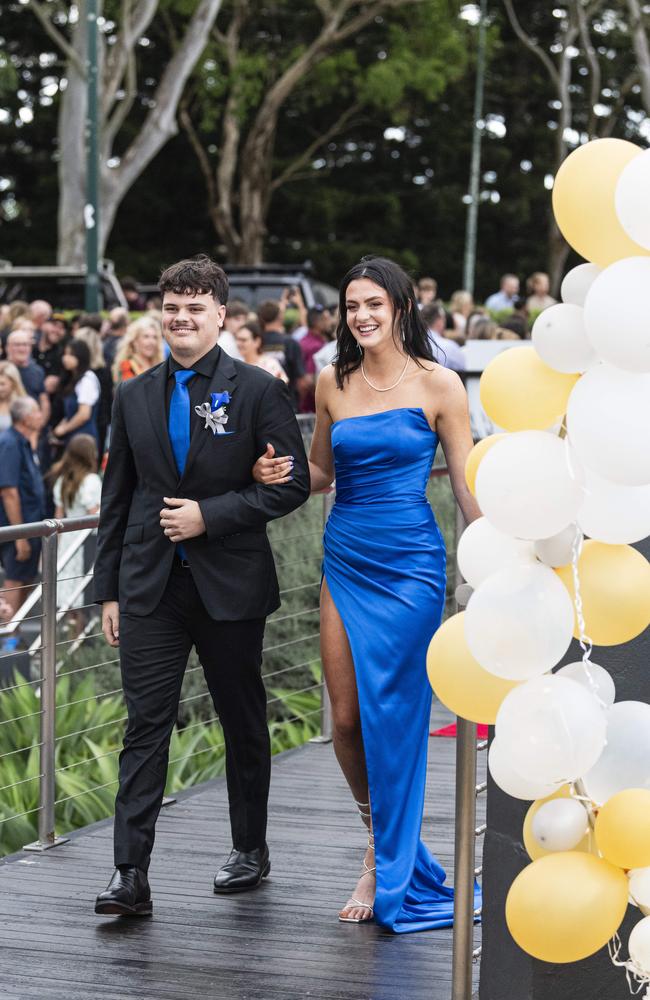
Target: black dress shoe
{"points": [[127, 894], [243, 870]]}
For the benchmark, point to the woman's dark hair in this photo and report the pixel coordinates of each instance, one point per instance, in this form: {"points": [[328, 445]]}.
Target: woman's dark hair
{"points": [[197, 276], [398, 284], [81, 352]]}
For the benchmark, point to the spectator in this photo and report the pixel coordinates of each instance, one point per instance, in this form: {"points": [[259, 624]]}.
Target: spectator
{"points": [[426, 291], [77, 491], [517, 322], [11, 387], [19, 352], [461, 306], [39, 313], [135, 301], [236, 316], [447, 352], [140, 350], [98, 367], [249, 342], [319, 331], [5, 321], [505, 297], [22, 499], [285, 349], [293, 312], [537, 287], [48, 351], [118, 322], [482, 328], [75, 404]]}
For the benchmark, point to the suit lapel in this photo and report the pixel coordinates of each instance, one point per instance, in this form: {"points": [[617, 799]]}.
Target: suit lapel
{"points": [[223, 380], [156, 385]]}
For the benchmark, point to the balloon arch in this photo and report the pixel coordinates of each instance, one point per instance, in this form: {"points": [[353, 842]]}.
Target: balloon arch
{"points": [[564, 493]]}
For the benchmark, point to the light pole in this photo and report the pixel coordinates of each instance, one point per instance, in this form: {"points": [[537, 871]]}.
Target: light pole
{"points": [[469, 266], [91, 208]]}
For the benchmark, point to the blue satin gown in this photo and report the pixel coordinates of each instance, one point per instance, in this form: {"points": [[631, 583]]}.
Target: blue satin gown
{"points": [[384, 563]]}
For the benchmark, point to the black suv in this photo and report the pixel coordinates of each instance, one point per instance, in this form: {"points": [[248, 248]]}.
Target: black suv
{"points": [[62, 287]]}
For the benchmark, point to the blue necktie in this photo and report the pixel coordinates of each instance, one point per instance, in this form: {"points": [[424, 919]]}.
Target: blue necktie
{"points": [[179, 426]]}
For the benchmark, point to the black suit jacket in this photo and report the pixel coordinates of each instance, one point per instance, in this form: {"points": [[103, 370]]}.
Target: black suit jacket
{"points": [[232, 562]]}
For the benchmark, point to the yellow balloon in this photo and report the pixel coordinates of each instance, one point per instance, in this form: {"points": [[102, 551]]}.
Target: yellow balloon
{"points": [[457, 679], [623, 828], [615, 590], [566, 906], [475, 457], [535, 849], [521, 393], [584, 205]]}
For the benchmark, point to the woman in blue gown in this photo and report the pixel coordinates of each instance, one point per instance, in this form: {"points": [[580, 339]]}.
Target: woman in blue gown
{"points": [[381, 409]]}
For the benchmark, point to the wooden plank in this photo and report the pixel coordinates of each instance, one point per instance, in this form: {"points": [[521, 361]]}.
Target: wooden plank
{"points": [[279, 943]]}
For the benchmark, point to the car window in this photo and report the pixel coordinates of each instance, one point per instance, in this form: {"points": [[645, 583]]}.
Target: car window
{"points": [[252, 293]]}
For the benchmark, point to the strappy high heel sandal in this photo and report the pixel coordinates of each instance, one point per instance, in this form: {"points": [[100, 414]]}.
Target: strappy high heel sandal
{"points": [[353, 903]]}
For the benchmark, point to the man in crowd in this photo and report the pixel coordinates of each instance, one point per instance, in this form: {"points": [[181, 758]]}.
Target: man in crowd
{"points": [[19, 352], [506, 296], [446, 351], [48, 351], [284, 348], [118, 321], [39, 313], [22, 499], [136, 302], [319, 332]]}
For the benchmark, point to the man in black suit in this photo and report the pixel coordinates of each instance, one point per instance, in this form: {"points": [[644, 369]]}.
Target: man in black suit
{"points": [[183, 560]]}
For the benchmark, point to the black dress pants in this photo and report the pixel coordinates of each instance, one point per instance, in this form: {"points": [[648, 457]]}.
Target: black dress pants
{"points": [[153, 655]]}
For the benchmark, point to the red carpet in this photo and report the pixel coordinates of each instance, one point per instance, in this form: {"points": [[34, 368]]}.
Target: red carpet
{"points": [[481, 731]]}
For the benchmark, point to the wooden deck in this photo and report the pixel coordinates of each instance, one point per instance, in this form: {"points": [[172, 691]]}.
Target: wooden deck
{"points": [[281, 942]]}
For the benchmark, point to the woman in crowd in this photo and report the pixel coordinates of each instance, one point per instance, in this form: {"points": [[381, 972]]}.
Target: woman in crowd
{"points": [[538, 287], [140, 349], [249, 343], [77, 490], [75, 404], [11, 386], [91, 337], [460, 307], [381, 409]]}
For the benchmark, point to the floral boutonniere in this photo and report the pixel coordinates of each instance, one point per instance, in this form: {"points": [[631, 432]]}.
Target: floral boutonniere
{"points": [[214, 412]]}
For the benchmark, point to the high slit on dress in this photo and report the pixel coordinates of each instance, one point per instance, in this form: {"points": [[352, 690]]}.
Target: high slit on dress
{"points": [[384, 563]]}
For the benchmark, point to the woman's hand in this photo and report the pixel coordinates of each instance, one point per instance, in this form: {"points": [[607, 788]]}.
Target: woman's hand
{"points": [[61, 429], [271, 471]]}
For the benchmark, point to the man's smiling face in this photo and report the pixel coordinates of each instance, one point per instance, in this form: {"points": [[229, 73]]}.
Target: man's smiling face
{"points": [[191, 324]]}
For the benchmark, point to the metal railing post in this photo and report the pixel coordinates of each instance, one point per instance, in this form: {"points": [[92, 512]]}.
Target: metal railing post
{"points": [[46, 835], [464, 860], [325, 704]]}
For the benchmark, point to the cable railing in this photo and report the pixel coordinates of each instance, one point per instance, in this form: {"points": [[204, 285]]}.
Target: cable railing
{"points": [[50, 665]]}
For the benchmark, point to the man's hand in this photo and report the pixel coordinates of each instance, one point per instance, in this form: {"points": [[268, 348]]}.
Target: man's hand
{"points": [[23, 549], [181, 519], [111, 622]]}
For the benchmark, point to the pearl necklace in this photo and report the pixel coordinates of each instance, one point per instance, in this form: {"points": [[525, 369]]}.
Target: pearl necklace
{"points": [[389, 387]]}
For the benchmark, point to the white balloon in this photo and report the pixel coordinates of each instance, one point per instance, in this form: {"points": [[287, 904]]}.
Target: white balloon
{"points": [[616, 314], [625, 761], [614, 513], [639, 946], [483, 549], [552, 727], [558, 550], [528, 484], [577, 283], [639, 880], [593, 677], [560, 825], [608, 416], [519, 622], [560, 338], [512, 783], [632, 199]]}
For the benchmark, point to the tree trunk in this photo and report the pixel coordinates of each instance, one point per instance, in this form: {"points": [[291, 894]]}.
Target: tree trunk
{"points": [[72, 156], [558, 251]]}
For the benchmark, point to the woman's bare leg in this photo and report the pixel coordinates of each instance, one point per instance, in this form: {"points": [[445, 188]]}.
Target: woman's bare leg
{"points": [[338, 668]]}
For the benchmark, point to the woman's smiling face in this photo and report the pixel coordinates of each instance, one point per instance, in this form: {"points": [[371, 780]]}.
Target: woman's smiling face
{"points": [[369, 313]]}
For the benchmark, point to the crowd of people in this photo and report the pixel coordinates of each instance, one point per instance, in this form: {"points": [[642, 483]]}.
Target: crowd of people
{"points": [[58, 374]]}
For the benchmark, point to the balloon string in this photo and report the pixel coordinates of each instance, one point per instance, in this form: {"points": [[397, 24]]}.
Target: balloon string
{"points": [[636, 979], [585, 642]]}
